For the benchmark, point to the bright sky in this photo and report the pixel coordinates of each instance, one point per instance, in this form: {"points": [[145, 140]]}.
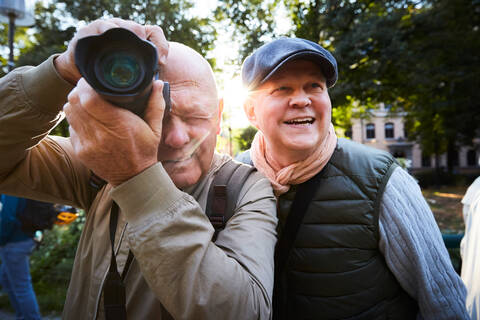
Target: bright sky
{"points": [[230, 85]]}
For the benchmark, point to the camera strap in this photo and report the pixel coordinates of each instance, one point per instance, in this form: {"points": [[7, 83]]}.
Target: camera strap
{"points": [[114, 298], [303, 198]]}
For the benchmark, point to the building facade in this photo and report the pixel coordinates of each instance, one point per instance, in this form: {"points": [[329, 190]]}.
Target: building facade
{"points": [[385, 130]]}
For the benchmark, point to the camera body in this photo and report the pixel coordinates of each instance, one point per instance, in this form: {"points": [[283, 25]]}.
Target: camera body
{"points": [[121, 67]]}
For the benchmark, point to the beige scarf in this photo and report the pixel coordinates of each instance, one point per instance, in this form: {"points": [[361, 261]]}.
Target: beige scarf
{"points": [[295, 173]]}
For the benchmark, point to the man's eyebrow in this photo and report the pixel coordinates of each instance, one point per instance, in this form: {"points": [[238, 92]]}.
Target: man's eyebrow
{"points": [[254, 91]]}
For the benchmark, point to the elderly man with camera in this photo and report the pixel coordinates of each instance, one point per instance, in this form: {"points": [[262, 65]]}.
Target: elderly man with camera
{"points": [[167, 263]]}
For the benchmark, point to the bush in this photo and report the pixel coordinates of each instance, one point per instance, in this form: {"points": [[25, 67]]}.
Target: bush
{"points": [[51, 264], [431, 178], [245, 138]]}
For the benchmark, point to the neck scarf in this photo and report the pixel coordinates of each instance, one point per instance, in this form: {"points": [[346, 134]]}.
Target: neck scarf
{"points": [[297, 172]]}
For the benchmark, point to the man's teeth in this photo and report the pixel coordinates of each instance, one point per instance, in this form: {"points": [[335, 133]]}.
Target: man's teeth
{"points": [[300, 121]]}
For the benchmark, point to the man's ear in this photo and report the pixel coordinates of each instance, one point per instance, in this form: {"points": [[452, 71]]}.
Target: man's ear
{"points": [[220, 110], [249, 109]]}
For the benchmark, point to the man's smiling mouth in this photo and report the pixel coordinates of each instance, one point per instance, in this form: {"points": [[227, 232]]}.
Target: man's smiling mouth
{"points": [[300, 121], [187, 157]]}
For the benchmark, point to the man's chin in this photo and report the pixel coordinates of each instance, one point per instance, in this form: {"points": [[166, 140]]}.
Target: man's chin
{"points": [[184, 180]]}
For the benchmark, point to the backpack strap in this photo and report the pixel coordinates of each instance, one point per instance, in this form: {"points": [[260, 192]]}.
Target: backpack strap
{"points": [[224, 192]]}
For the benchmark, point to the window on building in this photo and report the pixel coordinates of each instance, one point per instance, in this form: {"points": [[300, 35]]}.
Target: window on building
{"points": [[455, 158], [389, 130], [471, 158], [370, 131], [349, 133], [426, 161]]}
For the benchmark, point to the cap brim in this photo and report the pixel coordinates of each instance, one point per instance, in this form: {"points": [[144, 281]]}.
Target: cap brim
{"points": [[328, 70]]}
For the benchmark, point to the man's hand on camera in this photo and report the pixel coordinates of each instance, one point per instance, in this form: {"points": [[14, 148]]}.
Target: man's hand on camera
{"points": [[113, 142], [65, 62]]}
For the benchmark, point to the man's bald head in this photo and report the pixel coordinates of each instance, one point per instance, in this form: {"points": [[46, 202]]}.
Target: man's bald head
{"points": [[184, 66]]}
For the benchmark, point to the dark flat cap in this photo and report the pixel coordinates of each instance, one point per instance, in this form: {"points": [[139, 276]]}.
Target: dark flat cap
{"points": [[266, 60]]}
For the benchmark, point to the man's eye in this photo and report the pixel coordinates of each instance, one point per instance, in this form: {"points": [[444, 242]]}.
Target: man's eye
{"points": [[196, 120], [279, 89], [316, 85]]}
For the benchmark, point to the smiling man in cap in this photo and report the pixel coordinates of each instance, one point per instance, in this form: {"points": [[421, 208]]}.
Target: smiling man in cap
{"points": [[356, 238]]}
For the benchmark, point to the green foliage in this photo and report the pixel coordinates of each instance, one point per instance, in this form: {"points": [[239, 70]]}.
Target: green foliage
{"points": [[56, 22], [434, 178], [50, 36], [404, 163], [173, 16], [21, 40], [252, 21], [245, 137], [444, 45], [417, 56], [51, 264], [61, 129]]}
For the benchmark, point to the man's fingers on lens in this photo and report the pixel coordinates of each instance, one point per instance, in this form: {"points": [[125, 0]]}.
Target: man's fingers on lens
{"points": [[96, 27], [156, 108], [75, 141], [138, 29], [155, 34], [89, 100]]}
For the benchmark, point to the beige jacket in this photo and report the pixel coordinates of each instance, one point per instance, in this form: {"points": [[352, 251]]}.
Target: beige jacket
{"points": [[178, 271]]}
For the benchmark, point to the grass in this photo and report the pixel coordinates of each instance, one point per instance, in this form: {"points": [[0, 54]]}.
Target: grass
{"points": [[446, 206]]}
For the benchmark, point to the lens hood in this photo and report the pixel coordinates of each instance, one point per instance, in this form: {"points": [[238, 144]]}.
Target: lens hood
{"points": [[119, 66]]}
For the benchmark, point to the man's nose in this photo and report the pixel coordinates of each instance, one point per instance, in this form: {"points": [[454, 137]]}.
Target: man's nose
{"points": [[300, 99], [175, 133]]}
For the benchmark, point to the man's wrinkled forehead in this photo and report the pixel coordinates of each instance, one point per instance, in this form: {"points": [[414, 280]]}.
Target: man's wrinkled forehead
{"points": [[184, 84], [192, 97]]}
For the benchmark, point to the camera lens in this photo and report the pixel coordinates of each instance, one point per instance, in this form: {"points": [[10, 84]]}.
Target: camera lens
{"points": [[121, 67], [120, 70]]}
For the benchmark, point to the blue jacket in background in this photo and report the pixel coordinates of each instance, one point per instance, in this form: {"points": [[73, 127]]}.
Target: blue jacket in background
{"points": [[10, 230]]}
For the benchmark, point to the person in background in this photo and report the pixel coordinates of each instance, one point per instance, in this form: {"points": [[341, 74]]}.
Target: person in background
{"points": [[15, 249], [357, 239], [470, 248]]}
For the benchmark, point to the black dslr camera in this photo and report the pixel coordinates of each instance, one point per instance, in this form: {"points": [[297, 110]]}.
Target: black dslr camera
{"points": [[121, 68]]}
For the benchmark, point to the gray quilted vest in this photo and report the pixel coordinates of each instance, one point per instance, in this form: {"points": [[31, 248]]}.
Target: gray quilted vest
{"points": [[335, 269]]}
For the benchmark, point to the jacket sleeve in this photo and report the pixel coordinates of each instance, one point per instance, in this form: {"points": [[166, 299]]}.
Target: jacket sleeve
{"points": [[415, 253], [33, 164], [193, 277]]}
